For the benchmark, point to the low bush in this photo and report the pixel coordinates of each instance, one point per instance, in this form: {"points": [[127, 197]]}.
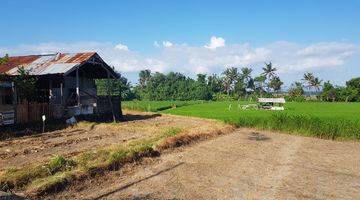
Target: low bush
{"points": [[59, 163]]}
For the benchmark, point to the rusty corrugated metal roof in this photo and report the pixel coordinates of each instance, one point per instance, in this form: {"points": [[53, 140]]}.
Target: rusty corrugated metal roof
{"points": [[59, 63]]}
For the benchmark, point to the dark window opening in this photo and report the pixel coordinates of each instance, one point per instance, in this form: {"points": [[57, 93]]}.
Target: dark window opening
{"points": [[71, 98], [6, 96]]}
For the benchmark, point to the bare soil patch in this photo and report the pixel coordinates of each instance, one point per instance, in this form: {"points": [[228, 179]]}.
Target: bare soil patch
{"points": [[18, 152], [245, 164]]}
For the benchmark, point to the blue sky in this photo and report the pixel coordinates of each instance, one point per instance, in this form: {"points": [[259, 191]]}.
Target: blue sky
{"points": [[297, 36]]}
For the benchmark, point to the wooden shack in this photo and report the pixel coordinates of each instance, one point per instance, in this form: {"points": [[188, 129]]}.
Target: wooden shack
{"points": [[65, 82], [271, 103]]}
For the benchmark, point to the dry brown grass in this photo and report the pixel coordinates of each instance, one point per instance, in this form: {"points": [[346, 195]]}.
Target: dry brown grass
{"points": [[159, 133], [186, 139]]}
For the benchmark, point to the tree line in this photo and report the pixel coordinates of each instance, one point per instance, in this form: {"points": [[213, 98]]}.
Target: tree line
{"points": [[324, 91], [231, 83], [236, 83]]}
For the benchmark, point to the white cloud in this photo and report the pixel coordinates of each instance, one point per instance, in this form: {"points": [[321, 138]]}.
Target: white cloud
{"points": [[287, 57], [167, 44], [201, 70], [292, 57], [156, 44], [215, 42], [121, 47]]}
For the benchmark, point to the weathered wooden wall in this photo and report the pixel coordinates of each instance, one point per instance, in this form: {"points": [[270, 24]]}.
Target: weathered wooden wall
{"points": [[32, 112]]}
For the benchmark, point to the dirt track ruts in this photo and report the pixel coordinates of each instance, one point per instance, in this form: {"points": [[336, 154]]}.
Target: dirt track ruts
{"points": [[242, 165]]}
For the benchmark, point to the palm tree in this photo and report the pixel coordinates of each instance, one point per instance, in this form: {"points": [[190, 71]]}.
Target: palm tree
{"points": [[308, 78], [269, 70], [269, 73], [298, 84], [246, 73], [259, 82], [227, 84], [231, 74], [316, 83], [144, 77], [246, 77]]}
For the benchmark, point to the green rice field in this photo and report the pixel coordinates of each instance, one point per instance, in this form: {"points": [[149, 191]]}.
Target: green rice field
{"points": [[319, 119]]}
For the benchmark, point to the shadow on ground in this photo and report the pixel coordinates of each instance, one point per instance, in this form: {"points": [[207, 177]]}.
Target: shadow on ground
{"points": [[133, 117], [138, 181], [257, 136], [35, 128], [10, 196]]}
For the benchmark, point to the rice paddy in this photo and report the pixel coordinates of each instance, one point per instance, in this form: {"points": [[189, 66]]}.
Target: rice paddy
{"points": [[319, 119]]}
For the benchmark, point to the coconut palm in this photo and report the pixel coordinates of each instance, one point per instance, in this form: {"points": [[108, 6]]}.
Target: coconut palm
{"points": [[246, 73], [298, 84], [316, 83], [144, 77], [269, 73], [230, 75], [308, 78], [246, 77], [269, 70]]}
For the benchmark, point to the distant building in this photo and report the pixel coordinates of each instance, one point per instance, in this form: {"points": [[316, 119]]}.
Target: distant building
{"points": [[65, 83]]}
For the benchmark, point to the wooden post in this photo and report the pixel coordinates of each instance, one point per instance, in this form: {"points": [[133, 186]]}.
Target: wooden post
{"points": [[43, 118], [109, 97], [50, 90], [77, 86], [61, 93], [50, 99], [14, 101], [120, 99]]}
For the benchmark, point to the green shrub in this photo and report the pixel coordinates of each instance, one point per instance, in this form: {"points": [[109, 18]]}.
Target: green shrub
{"points": [[59, 163]]}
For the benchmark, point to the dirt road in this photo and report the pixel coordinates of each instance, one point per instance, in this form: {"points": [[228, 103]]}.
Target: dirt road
{"points": [[241, 165]]}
